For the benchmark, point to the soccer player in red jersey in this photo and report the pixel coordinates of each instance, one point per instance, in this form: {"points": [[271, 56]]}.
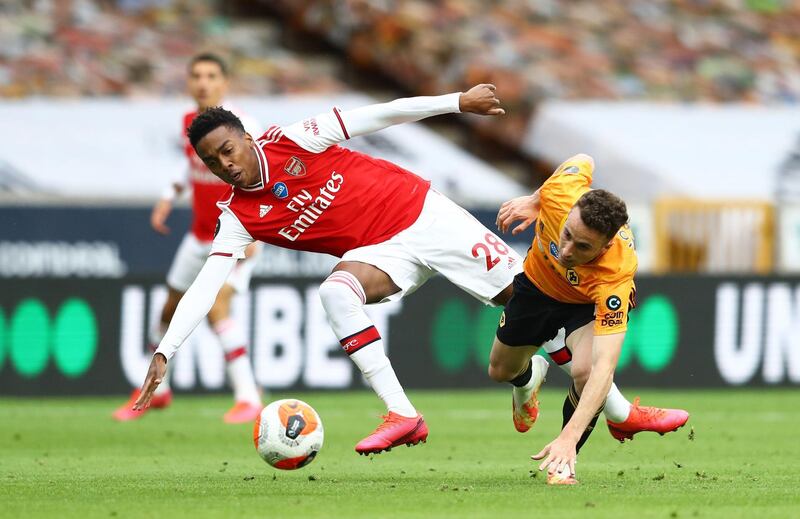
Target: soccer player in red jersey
{"points": [[296, 188], [207, 84]]}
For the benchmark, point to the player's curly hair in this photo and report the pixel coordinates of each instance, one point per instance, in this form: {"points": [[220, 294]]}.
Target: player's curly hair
{"points": [[603, 211], [209, 120]]}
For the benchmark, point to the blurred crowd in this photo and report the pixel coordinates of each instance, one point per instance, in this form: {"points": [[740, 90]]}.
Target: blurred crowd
{"points": [[140, 47], [717, 50], [676, 50]]}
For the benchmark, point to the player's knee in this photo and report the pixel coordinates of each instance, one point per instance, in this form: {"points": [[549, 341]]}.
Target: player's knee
{"points": [[580, 374], [342, 291], [329, 294], [499, 372]]}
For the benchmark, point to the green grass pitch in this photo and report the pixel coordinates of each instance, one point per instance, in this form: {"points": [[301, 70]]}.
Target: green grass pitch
{"points": [[65, 457]]}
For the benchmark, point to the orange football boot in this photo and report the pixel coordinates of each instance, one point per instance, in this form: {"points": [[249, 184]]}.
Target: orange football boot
{"points": [[242, 412], [395, 430], [642, 418], [526, 413]]}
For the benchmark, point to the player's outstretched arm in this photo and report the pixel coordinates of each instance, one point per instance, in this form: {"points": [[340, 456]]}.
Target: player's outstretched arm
{"points": [[561, 452], [195, 304], [523, 209], [318, 133], [480, 99]]}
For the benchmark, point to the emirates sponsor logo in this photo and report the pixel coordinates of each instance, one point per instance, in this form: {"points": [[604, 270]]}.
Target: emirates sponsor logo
{"points": [[310, 208]]}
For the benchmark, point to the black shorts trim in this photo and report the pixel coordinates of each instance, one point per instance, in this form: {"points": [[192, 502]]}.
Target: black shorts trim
{"points": [[532, 318]]}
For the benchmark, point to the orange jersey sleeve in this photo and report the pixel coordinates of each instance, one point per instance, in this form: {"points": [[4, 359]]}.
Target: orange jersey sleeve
{"points": [[613, 301]]}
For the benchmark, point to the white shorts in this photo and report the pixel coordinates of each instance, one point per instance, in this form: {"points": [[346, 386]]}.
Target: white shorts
{"points": [[190, 258], [448, 240]]}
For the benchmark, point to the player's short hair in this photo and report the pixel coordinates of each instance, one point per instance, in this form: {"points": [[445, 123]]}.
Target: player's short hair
{"points": [[209, 120], [213, 58], [603, 211]]}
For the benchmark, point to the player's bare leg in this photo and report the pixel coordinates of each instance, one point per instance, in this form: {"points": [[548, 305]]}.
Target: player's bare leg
{"points": [[504, 296], [624, 419], [526, 372], [344, 293], [247, 400]]}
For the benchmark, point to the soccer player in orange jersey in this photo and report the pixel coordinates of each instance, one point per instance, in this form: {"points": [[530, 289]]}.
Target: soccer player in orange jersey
{"points": [[207, 84], [578, 275]]}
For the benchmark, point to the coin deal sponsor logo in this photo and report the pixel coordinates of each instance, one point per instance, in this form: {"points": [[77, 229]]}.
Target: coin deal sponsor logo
{"points": [[611, 319], [613, 302]]}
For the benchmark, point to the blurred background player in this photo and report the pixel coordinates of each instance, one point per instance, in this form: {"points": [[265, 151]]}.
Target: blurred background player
{"points": [[207, 84]]}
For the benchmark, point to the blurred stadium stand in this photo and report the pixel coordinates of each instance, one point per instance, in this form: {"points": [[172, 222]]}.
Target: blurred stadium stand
{"points": [[678, 50], [140, 48]]}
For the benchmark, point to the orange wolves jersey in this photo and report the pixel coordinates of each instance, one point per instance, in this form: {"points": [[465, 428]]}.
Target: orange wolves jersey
{"points": [[607, 281]]}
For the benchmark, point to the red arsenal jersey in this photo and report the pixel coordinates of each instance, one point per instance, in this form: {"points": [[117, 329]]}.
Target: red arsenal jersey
{"points": [[323, 198], [314, 196]]}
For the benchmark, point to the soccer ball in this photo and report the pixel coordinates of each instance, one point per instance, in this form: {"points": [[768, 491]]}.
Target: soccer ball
{"points": [[288, 434]]}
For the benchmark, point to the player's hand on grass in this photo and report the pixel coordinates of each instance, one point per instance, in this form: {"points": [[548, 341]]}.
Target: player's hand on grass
{"points": [[480, 100], [155, 374], [523, 209], [158, 217], [556, 455]]}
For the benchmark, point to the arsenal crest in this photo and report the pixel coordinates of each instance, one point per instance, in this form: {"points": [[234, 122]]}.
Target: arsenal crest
{"points": [[295, 167]]}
